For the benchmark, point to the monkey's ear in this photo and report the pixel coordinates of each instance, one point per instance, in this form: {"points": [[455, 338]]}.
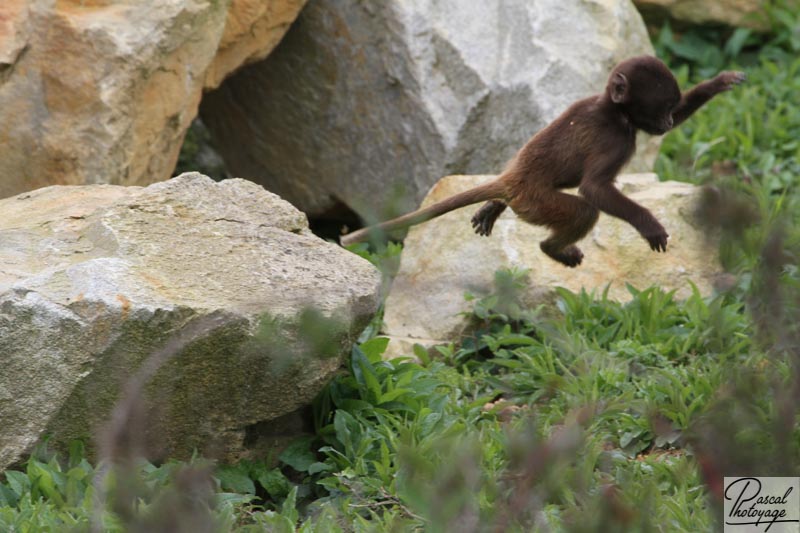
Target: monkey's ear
{"points": [[619, 88]]}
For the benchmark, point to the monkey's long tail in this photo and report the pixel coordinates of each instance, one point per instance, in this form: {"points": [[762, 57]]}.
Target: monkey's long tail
{"points": [[488, 191]]}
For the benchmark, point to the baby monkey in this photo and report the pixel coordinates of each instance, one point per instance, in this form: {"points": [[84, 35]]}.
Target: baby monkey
{"points": [[585, 147]]}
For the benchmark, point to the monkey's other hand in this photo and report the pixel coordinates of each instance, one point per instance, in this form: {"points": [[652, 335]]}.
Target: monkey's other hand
{"points": [[658, 241], [726, 80]]}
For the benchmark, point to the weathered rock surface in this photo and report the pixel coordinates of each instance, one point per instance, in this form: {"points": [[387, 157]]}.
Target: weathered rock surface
{"points": [[367, 104], [252, 29], [443, 259], [103, 92], [94, 279], [734, 13]]}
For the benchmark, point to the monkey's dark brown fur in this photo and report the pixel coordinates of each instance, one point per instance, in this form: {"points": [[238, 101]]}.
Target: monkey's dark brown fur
{"points": [[585, 147]]}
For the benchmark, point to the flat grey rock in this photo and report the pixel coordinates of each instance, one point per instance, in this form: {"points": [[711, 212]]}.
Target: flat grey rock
{"points": [[95, 279]]}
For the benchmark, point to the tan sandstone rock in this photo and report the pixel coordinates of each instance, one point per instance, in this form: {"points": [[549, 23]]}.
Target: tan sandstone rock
{"points": [[103, 92], [443, 259], [731, 12], [253, 28]]}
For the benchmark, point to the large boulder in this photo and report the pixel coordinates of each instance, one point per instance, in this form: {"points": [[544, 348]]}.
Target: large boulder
{"points": [[364, 105], [95, 279], [103, 92], [443, 259]]}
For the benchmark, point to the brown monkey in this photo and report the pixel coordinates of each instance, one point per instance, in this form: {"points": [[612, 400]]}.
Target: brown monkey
{"points": [[585, 147]]}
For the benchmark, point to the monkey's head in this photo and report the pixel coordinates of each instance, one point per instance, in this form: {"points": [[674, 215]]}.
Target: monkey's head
{"points": [[646, 92]]}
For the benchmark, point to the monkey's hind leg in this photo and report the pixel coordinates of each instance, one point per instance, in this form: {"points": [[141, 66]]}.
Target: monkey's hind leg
{"points": [[569, 218], [484, 218]]}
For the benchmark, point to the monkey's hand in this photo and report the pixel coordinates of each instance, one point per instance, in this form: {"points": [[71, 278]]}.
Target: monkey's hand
{"points": [[657, 239], [725, 81]]}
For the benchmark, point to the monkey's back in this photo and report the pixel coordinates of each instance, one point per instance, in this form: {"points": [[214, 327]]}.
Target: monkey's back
{"points": [[555, 158]]}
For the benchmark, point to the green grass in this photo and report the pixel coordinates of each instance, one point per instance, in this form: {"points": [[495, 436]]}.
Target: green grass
{"points": [[598, 416], [604, 391]]}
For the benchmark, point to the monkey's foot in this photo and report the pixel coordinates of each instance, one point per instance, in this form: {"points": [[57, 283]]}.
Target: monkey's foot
{"points": [[570, 256], [483, 220]]}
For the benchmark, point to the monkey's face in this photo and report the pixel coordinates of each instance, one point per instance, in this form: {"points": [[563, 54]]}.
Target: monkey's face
{"points": [[647, 92], [654, 116]]}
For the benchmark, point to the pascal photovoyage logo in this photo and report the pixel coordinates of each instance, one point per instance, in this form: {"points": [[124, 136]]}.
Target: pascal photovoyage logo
{"points": [[759, 504]]}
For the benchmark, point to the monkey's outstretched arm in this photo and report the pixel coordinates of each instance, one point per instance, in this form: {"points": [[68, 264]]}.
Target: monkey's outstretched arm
{"points": [[701, 93], [597, 187], [609, 199]]}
